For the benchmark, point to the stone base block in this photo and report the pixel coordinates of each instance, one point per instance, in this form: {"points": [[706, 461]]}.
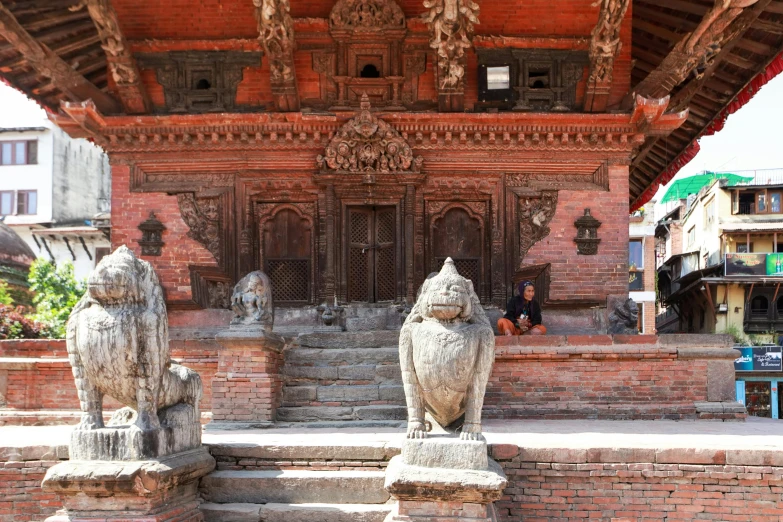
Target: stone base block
{"points": [[444, 451], [247, 387], [156, 490], [180, 431], [440, 511]]}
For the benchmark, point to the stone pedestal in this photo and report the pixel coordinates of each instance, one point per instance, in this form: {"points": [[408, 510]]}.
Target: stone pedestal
{"points": [[444, 478], [247, 387], [155, 490]]}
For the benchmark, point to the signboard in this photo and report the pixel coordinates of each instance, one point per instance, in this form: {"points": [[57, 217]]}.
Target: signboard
{"points": [[775, 265], [746, 264], [759, 359]]}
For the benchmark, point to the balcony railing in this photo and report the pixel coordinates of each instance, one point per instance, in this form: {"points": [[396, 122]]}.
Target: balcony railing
{"points": [[746, 209]]}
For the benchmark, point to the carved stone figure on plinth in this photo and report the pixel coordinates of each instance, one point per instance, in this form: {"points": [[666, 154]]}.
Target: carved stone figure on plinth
{"points": [[624, 318], [250, 359], [447, 349], [118, 345]]}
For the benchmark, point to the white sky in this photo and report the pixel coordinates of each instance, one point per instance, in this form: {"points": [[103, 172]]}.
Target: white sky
{"points": [[751, 139]]}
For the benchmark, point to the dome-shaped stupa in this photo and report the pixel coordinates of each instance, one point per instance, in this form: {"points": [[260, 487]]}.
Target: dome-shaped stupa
{"points": [[15, 260]]}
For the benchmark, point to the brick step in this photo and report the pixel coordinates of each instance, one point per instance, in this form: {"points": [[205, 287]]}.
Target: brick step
{"points": [[295, 512], [294, 487], [385, 412], [344, 394], [301, 356], [371, 339], [364, 373]]}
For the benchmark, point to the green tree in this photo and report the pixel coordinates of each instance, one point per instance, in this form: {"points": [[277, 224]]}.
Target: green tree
{"points": [[5, 297], [56, 293]]}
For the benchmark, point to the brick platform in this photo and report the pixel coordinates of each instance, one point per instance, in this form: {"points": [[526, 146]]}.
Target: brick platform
{"points": [[553, 377]]}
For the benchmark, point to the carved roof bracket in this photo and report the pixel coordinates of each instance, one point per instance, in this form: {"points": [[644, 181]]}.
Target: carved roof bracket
{"points": [[651, 119], [604, 47], [122, 66], [694, 52], [451, 33], [276, 34], [47, 63], [370, 151]]}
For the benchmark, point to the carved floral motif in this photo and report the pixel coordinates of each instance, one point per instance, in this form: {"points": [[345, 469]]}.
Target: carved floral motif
{"points": [[202, 215], [534, 215], [368, 144], [451, 30], [365, 14]]}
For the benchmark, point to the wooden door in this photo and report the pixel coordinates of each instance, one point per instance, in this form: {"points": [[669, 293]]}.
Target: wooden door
{"points": [[372, 245], [287, 256], [459, 236]]}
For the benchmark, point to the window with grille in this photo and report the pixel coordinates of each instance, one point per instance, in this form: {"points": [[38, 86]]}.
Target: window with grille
{"points": [[287, 250], [24, 152]]}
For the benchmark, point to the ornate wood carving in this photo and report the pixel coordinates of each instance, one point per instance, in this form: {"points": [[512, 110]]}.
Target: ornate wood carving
{"points": [[451, 30], [534, 214], [368, 146], [200, 81], [695, 52], [369, 36], [47, 63], [587, 234], [276, 29], [151, 236], [604, 47], [122, 66], [203, 217]]}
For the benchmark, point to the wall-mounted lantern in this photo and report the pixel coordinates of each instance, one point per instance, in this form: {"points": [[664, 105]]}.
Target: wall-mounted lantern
{"points": [[151, 236], [587, 234]]}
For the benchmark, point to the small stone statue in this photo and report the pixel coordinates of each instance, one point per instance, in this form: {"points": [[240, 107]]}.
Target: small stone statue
{"points": [[118, 345], [624, 319], [447, 348], [252, 301]]}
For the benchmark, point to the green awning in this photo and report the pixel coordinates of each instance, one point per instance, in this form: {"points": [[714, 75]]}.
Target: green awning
{"points": [[682, 188]]}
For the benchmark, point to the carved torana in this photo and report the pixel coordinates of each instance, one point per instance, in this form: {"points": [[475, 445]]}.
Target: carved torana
{"points": [[604, 47], [451, 30], [366, 14], [276, 30], [368, 144], [202, 215], [534, 215], [121, 63]]}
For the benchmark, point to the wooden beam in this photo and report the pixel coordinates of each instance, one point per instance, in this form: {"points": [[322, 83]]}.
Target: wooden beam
{"points": [[46, 63], [124, 71], [710, 302], [276, 34]]}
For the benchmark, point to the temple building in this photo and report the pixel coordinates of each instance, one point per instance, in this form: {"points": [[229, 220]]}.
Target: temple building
{"points": [[348, 147]]}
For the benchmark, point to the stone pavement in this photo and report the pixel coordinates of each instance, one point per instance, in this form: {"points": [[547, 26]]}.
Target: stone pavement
{"points": [[28, 442]]}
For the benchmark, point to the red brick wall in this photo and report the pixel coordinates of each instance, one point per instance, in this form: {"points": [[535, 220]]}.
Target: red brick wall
{"points": [[21, 497], [588, 277], [624, 491], [128, 210]]}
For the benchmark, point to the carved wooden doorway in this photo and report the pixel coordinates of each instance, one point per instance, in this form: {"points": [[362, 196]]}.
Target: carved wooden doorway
{"points": [[458, 233], [372, 252]]}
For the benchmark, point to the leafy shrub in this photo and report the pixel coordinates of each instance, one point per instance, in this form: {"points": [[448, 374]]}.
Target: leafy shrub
{"points": [[15, 325], [5, 297], [56, 293]]}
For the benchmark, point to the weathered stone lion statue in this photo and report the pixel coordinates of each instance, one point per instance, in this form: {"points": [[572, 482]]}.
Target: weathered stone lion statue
{"points": [[118, 345], [252, 301], [447, 349], [624, 319]]}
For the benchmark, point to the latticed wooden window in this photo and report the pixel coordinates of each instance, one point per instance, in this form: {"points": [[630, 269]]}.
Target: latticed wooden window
{"points": [[287, 261]]}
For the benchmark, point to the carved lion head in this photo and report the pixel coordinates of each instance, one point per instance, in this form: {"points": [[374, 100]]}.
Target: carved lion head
{"points": [[447, 296], [118, 278]]}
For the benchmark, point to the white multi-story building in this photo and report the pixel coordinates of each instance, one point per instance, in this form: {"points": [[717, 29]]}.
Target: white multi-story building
{"points": [[55, 193]]}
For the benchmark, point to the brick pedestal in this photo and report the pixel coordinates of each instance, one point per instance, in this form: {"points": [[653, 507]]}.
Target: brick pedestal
{"points": [[155, 490], [247, 387]]}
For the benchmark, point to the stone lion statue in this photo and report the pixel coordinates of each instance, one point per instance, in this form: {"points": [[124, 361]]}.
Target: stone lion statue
{"points": [[624, 319], [447, 349], [118, 345], [252, 301]]}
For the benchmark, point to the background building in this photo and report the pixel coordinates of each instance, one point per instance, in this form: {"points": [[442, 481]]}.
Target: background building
{"points": [[55, 193], [641, 266]]}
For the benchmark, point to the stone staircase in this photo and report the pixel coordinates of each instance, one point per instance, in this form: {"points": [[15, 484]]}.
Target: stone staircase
{"points": [[291, 483], [339, 377]]}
